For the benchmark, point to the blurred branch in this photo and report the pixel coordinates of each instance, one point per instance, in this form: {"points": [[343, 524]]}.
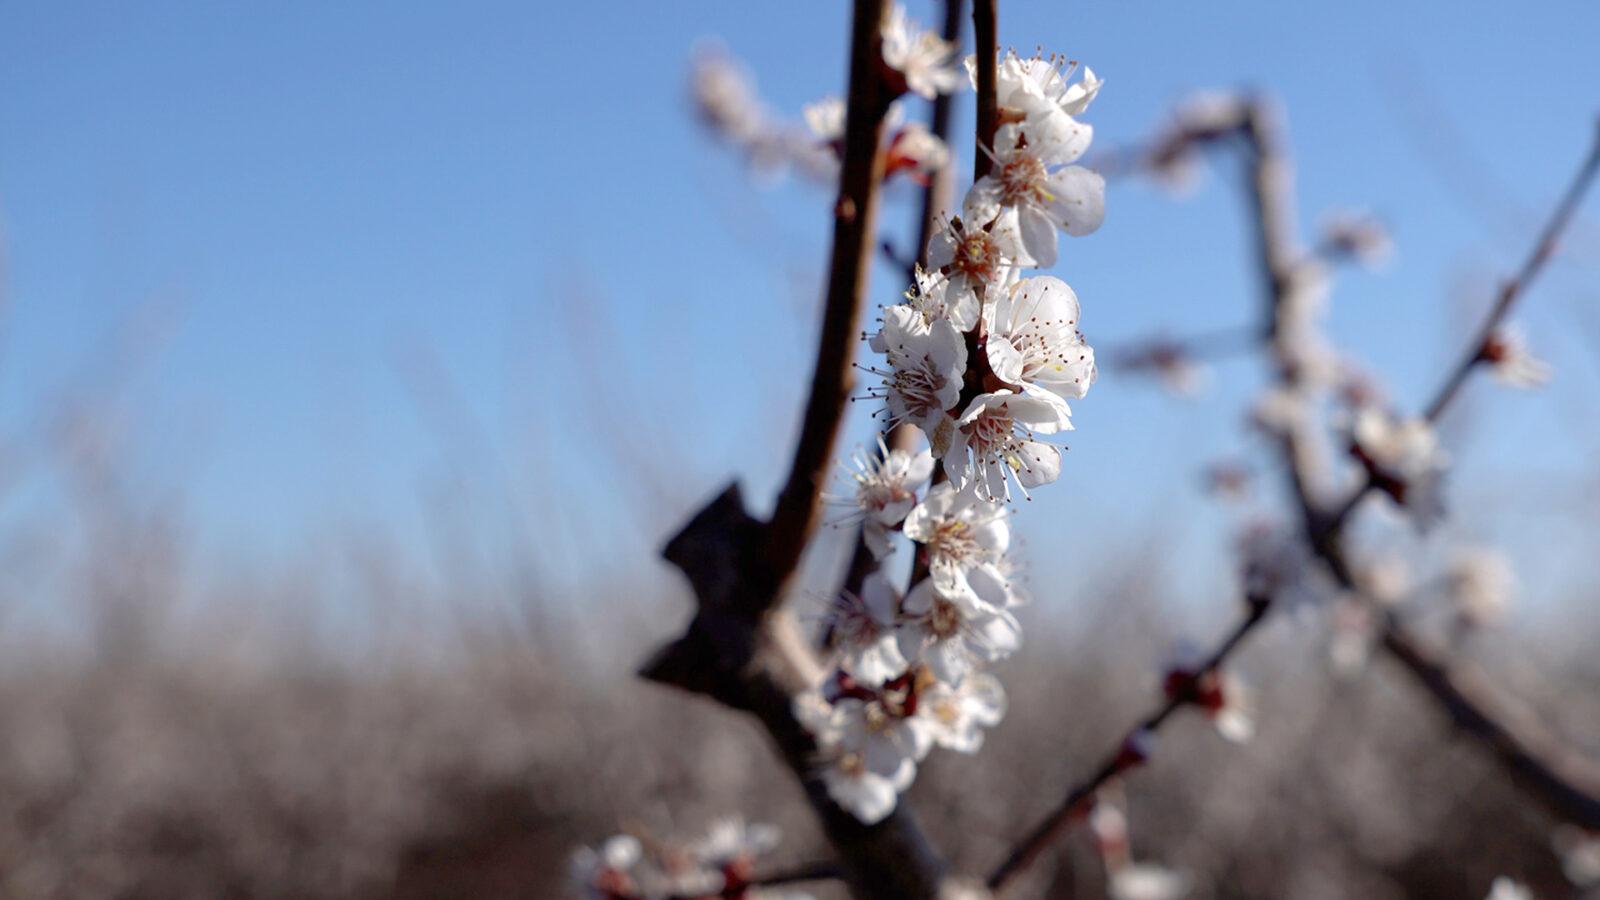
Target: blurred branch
{"points": [[986, 50], [742, 648], [1130, 752], [1568, 784], [1541, 253], [1565, 781]]}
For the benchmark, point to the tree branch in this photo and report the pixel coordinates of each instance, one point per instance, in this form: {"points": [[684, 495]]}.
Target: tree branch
{"points": [[1541, 253], [742, 648], [1568, 784], [1079, 800], [854, 218]]}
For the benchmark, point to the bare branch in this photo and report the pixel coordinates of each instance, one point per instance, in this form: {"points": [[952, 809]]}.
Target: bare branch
{"points": [[1566, 783], [854, 224], [1541, 253], [1080, 799], [1543, 249]]}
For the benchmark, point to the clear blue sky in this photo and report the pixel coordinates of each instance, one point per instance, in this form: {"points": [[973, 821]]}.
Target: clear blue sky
{"points": [[350, 213]]}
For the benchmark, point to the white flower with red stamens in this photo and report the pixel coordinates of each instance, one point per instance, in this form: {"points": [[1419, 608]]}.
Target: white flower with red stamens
{"points": [[1037, 94], [975, 255], [1026, 182], [931, 297], [994, 442], [1034, 338], [927, 361], [925, 60], [948, 633], [607, 873], [965, 539], [1512, 363], [958, 713], [885, 489], [862, 626]]}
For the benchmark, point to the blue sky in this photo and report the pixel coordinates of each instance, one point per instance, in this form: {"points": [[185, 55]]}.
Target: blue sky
{"points": [[399, 251]]}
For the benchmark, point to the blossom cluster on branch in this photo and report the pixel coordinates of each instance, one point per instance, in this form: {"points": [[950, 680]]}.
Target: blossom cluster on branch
{"points": [[982, 357], [720, 865]]}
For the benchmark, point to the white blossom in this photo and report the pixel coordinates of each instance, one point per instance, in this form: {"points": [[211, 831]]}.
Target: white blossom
{"points": [[930, 295], [1510, 360], [1025, 182], [923, 58], [862, 626], [864, 793], [1038, 92], [885, 489], [1034, 340], [1147, 881], [927, 361], [731, 840], [975, 255], [994, 442], [1506, 889], [958, 713], [915, 149], [965, 538], [949, 634], [606, 872]]}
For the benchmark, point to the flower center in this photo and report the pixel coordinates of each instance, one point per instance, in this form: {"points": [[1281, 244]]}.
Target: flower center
{"points": [[918, 387], [990, 433], [953, 540], [1023, 180], [976, 255]]}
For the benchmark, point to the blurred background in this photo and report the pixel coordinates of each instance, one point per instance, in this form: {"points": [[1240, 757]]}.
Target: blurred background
{"points": [[357, 359]]}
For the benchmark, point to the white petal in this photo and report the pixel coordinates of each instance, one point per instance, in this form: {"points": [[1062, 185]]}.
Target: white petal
{"points": [[1078, 204]]}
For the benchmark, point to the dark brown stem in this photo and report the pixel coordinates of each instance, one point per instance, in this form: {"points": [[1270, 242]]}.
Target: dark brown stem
{"points": [[1079, 799], [854, 217], [986, 49]]}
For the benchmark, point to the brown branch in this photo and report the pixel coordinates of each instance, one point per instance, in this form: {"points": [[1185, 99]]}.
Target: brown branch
{"points": [[742, 648], [1543, 250], [854, 217], [986, 49], [1080, 798]]}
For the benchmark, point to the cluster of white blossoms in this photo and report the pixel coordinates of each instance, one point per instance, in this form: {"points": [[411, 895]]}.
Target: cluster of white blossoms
{"points": [[983, 360], [720, 864]]}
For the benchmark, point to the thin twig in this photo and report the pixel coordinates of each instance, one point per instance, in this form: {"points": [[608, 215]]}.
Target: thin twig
{"points": [[1538, 257], [1543, 249], [1080, 798]]}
